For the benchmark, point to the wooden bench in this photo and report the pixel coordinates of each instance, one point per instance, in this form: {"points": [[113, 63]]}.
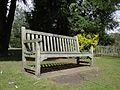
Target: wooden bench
{"points": [[40, 45]]}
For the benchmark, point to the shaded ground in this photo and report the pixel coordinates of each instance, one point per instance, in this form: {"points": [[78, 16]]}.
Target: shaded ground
{"points": [[76, 78], [66, 71], [57, 65]]}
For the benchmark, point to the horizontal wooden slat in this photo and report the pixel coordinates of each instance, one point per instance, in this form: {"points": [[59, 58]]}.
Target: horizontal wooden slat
{"points": [[65, 52], [51, 55], [29, 53], [32, 41], [47, 34]]}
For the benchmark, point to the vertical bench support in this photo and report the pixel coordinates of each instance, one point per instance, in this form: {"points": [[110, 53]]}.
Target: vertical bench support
{"points": [[37, 60], [91, 50], [78, 50], [23, 46], [77, 44]]}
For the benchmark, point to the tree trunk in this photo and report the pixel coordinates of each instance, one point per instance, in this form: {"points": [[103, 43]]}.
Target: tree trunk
{"points": [[3, 12], [6, 21]]}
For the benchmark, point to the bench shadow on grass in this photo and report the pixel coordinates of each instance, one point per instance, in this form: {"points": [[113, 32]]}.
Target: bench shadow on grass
{"points": [[56, 67]]}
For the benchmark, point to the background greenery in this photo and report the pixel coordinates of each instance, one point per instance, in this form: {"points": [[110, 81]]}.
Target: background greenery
{"points": [[19, 21], [68, 17], [87, 40]]}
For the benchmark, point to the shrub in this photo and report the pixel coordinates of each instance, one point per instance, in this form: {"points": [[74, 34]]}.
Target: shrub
{"points": [[87, 40]]}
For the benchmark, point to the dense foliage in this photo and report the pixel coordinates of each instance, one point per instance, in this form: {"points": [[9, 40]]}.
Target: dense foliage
{"points": [[71, 17], [50, 16], [87, 40], [116, 37], [94, 16], [19, 21]]}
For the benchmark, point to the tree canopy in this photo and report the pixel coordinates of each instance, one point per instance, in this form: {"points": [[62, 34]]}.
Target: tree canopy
{"points": [[66, 17], [50, 16], [70, 17], [92, 15]]}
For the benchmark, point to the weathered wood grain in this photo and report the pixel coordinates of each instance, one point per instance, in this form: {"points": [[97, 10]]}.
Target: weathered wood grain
{"points": [[40, 45]]}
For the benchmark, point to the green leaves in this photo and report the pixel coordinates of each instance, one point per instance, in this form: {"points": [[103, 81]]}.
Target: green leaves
{"points": [[50, 16], [87, 40], [93, 16], [19, 21]]}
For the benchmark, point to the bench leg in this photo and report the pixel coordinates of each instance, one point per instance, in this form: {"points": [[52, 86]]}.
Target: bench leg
{"points": [[38, 67], [78, 60], [38, 60], [91, 61], [24, 61]]}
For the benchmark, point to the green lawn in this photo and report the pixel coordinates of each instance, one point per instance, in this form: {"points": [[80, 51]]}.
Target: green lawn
{"points": [[12, 78]]}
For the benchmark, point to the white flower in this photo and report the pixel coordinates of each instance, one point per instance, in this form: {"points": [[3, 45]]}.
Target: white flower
{"points": [[1, 71], [16, 86], [10, 82]]}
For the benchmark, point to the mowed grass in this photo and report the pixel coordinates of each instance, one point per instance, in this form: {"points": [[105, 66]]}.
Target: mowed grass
{"points": [[13, 78]]}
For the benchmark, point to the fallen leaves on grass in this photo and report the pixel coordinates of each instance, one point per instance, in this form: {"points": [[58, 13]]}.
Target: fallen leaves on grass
{"points": [[12, 83], [1, 72]]}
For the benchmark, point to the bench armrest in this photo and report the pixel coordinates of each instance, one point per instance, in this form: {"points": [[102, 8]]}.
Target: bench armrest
{"points": [[32, 41]]}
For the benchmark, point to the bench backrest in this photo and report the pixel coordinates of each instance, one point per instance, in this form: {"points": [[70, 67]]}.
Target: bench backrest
{"points": [[50, 42]]}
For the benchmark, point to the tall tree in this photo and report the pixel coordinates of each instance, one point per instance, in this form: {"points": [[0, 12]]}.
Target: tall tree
{"points": [[50, 16], [7, 11], [93, 16]]}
